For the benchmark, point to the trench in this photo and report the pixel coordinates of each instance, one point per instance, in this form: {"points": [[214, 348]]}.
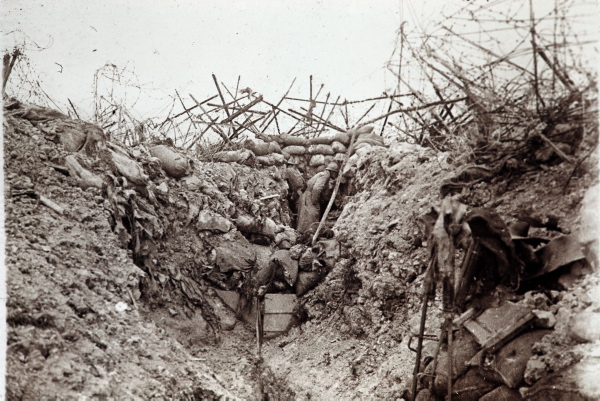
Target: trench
{"points": [[203, 310]]}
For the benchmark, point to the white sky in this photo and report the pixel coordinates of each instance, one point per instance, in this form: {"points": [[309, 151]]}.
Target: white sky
{"points": [[178, 44]]}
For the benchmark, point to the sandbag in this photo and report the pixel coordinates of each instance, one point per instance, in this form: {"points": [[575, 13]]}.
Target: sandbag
{"points": [[343, 137], [363, 145], [338, 147], [259, 148], [372, 139], [322, 140], [274, 147], [316, 160], [274, 159], [84, 177], [289, 140], [255, 225], [328, 160], [173, 163], [128, 168], [234, 156], [469, 387], [306, 281], [294, 150], [365, 130], [320, 149]]}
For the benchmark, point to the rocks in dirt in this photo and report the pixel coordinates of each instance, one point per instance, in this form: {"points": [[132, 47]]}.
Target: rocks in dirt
{"points": [[544, 319], [192, 182], [357, 319]]}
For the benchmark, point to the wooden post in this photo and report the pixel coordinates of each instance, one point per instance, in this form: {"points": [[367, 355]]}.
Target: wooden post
{"points": [[222, 99], [214, 124]]}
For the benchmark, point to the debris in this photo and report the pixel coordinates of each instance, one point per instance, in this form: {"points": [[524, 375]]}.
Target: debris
{"points": [[121, 306], [544, 319], [509, 363], [495, 326], [51, 204], [557, 253]]}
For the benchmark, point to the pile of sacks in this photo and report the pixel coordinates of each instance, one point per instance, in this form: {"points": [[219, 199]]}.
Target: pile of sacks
{"points": [[308, 153]]}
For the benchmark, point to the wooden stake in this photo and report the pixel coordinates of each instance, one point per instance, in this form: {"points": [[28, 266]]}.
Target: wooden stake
{"points": [[214, 125], [266, 124], [222, 98]]}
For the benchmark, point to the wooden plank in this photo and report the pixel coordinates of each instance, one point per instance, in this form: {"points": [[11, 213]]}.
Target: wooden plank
{"points": [[280, 303], [496, 324], [277, 322], [479, 332]]}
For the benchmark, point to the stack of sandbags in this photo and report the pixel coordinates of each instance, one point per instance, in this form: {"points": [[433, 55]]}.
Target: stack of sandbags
{"points": [[315, 153]]}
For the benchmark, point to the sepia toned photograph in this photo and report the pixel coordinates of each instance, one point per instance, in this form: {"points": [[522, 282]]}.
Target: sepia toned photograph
{"points": [[300, 200]]}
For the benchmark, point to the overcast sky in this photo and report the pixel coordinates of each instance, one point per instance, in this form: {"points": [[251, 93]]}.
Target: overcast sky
{"points": [[178, 44]]}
